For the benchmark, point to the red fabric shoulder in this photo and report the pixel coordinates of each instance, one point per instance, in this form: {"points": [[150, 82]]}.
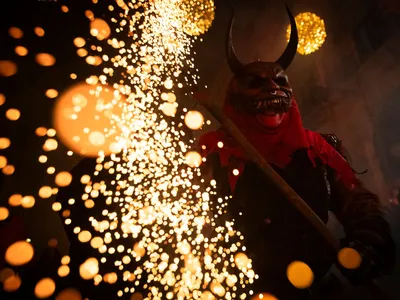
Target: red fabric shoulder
{"points": [[232, 157], [320, 148], [219, 141]]}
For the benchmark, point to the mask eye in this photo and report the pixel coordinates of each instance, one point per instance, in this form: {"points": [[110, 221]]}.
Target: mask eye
{"points": [[281, 80], [257, 82]]}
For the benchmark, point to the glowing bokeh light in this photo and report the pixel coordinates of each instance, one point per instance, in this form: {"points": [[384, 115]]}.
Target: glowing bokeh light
{"points": [[193, 159], [39, 31], [300, 275], [79, 108], [4, 213], [82, 52], [194, 119], [15, 200], [19, 253], [50, 145], [21, 50], [40, 131], [2, 99], [100, 29], [5, 273], [13, 114], [79, 42], [136, 296], [4, 143], [15, 32], [311, 31], [7, 68], [64, 9], [169, 109], [89, 14], [45, 59], [69, 294], [51, 93], [12, 283], [28, 201], [45, 288], [63, 271], [349, 258], [8, 170], [84, 236], [65, 260], [198, 16], [63, 179], [264, 296], [89, 269], [45, 192]]}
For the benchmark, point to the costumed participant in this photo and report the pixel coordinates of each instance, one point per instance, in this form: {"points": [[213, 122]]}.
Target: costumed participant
{"points": [[260, 102]]}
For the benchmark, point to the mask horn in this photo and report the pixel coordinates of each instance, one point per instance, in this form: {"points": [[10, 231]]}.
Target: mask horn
{"points": [[286, 58], [234, 63]]}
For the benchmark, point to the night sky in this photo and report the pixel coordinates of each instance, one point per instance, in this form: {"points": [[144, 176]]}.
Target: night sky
{"points": [[259, 33]]}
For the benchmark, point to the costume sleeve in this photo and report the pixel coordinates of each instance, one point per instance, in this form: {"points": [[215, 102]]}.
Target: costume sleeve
{"points": [[362, 216]]}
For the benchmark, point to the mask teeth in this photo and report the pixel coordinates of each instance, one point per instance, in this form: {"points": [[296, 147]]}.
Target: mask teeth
{"points": [[276, 101], [279, 104]]}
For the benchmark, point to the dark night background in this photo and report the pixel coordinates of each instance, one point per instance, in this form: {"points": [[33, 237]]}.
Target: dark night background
{"points": [[350, 87]]}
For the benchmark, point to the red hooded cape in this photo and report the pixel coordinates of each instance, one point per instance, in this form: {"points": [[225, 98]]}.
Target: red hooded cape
{"points": [[276, 146]]}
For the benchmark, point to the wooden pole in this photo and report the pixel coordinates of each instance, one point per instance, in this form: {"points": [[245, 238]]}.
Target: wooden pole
{"points": [[286, 189]]}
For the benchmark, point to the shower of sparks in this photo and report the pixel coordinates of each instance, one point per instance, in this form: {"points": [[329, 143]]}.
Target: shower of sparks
{"points": [[162, 202], [165, 228]]}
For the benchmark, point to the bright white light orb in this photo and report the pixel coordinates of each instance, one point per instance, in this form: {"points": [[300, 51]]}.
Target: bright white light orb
{"points": [[194, 119]]}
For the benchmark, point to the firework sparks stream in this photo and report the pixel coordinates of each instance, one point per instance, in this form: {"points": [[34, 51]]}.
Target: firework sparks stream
{"points": [[128, 117]]}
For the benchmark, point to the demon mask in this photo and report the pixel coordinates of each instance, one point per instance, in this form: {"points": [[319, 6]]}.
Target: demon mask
{"points": [[262, 89]]}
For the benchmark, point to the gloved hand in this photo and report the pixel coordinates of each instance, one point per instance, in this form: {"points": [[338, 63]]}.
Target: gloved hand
{"points": [[370, 266]]}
